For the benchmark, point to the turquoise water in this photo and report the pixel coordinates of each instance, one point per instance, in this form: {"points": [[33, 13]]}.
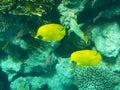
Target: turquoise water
{"points": [[77, 45]]}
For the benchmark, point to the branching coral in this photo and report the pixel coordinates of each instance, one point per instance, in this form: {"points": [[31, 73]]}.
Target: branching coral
{"points": [[94, 78]]}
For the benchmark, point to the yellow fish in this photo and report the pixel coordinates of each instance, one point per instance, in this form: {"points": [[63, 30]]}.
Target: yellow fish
{"points": [[85, 58], [51, 32]]}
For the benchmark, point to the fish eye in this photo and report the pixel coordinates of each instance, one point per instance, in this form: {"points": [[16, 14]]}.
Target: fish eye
{"points": [[40, 37], [73, 62], [62, 29]]}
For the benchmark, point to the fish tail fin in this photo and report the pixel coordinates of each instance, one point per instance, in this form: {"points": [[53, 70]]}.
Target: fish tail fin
{"points": [[86, 39], [5, 45]]}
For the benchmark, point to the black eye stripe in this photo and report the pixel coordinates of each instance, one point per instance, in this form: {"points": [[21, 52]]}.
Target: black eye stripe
{"points": [[73, 62], [62, 29], [40, 37]]}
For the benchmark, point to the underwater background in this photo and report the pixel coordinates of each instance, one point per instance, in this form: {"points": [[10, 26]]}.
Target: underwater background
{"points": [[60, 45]]}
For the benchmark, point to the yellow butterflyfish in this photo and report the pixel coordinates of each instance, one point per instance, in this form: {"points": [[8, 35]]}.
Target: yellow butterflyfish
{"points": [[85, 58], [51, 32]]}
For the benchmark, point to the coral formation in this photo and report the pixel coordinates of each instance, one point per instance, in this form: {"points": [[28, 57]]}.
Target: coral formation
{"points": [[33, 83], [12, 67], [42, 64], [63, 76], [67, 13], [24, 7], [3, 23], [45, 63], [95, 78], [106, 37], [63, 68]]}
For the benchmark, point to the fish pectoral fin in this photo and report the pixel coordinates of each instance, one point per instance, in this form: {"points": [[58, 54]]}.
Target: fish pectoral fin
{"points": [[70, 30], [80, 25]]}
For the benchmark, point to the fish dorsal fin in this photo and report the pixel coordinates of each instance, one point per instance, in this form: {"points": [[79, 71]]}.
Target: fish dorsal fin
{"points": [[80, 25]]}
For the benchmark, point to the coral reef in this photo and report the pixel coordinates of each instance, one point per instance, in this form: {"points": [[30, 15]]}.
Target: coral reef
{"points": [[114, 64], [106, 37], [95, 78], [12, 67], [63, 76], [26, 7], [67, 13], [3, 23], [63, 68], [33, 83], [43, 64]]}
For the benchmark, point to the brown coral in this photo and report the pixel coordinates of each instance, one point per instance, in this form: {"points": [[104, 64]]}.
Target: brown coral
{"points": [[26, 7]]}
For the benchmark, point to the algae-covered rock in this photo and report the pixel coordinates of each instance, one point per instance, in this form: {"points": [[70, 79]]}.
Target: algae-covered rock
{"points": [[29, 83], [10, 67], [3, 23], [70, 9], [107, 39], [63, 79], [44, 66]]}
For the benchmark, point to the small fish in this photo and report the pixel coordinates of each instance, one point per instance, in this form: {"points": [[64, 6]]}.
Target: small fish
{"points": [[20, 34], [97, 17], [5, 46], [74, 27], [93, 3], [48, 60]]}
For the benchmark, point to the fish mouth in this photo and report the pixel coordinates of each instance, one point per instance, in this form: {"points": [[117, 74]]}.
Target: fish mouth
{"points": [[38, 37]]}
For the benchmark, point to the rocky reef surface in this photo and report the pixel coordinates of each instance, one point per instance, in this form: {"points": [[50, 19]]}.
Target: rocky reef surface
{"points": [[32, 64]]}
